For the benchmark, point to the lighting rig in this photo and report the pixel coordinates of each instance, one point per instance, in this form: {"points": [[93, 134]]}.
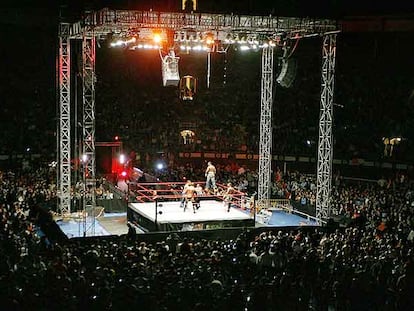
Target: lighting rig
{"points": [[198, 32]]}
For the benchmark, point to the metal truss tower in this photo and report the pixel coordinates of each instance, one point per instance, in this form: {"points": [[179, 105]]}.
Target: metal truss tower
{"points": [[325, 147], [88, 125], [64, 163], [265, 144]]}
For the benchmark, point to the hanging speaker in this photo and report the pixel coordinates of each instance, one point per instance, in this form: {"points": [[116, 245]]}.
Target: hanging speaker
{"points": [[287, 73]]}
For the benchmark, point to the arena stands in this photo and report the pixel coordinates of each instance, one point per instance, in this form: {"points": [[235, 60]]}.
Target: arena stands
{"points": [[365, 266]]}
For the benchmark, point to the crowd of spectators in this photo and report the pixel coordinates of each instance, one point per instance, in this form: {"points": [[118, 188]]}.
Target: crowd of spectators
{"points": [[375, 203], [366, 266], [28, 118]]}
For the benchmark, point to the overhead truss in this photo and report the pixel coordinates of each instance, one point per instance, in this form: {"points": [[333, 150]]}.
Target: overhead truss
{"points": [[107, 21]]}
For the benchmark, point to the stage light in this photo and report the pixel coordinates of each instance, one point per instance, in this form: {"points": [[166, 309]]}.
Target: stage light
{"points": [[209, 39], [116, 138], [124, 174], [122, 158], [157, 38], [123, 42], [145, 46], [116, 43], [160, 166], [84, 158], [201, 48]]}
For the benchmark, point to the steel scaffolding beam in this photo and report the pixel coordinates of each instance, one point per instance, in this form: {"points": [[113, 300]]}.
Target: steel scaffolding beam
{"points": [[325, 147], [64, 182], [122, 21], [265, 144], [88, 125]]}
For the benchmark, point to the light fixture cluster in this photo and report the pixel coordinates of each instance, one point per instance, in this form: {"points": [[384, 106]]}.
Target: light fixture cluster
{"points": [[123, 42], [188, 41], [247, 42], [198, 47], [145, 46], [246, 46], [149, 39], [195, 41]]}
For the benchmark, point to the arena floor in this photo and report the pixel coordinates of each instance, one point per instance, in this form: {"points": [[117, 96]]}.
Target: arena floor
{"points": [[116, 223]]}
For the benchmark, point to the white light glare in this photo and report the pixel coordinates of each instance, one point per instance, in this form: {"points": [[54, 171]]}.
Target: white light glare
{"points": [[121, 42], [145, 46], [122, 158], [194, 48], [201, 48], [244, 48]]}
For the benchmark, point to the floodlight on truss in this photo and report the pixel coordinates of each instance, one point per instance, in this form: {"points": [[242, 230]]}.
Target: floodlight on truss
{"points": [[197, 48], [246, 41], [141, 39], [145, 46], [157, 38], [123, 42], [198, 41]]}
